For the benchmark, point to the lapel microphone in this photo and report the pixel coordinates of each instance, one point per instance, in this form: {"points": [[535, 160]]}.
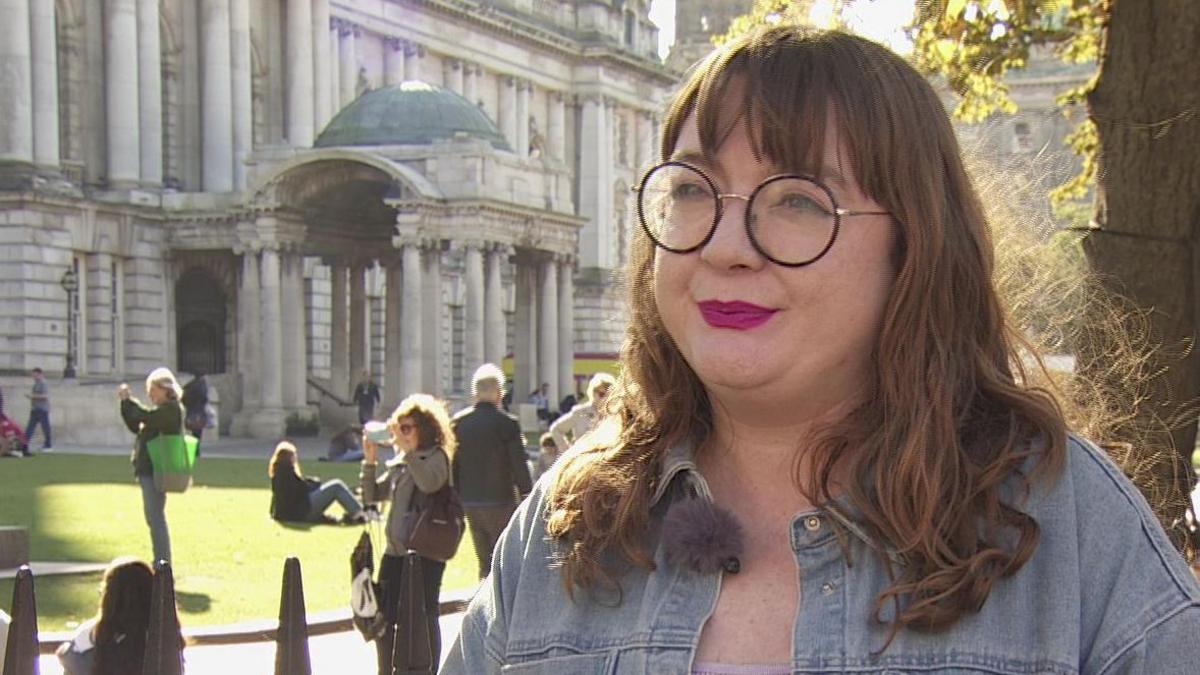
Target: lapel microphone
{"points": [[702, 537]]}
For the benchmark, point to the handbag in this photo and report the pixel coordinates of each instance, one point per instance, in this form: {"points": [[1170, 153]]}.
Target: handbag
{"points": [[173, 457], [439, 525]]}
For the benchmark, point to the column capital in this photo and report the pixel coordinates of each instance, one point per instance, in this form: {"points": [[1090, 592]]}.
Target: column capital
{"points": [[394, 43]]}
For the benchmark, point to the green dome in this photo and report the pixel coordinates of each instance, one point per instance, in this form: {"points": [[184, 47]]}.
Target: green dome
{"points": [[409, 113]]}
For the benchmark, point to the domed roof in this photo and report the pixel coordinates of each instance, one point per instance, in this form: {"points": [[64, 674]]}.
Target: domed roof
{"points": [[409, 113]]}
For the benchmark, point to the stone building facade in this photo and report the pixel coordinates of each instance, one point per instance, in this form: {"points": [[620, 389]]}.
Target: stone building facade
{"points": [[290, 191]]}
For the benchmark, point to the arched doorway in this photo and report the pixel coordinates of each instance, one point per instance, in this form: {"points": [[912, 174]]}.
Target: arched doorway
{"points": [[199, 323]]}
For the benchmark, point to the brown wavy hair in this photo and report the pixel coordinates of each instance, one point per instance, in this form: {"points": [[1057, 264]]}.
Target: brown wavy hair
{"points": [[432, 420], [949, 416], [124, 618]]}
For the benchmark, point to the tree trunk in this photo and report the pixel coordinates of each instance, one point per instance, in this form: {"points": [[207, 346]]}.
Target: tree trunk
{"points": [[1146, 107]]}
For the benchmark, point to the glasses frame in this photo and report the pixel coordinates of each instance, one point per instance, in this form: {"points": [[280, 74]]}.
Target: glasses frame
{"points": [[718, 213]]}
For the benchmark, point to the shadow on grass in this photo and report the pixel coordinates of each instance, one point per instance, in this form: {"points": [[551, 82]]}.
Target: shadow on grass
{"points": [[193, 603]]}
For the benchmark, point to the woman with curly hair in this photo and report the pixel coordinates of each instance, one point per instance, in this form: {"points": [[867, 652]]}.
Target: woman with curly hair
{"points": [[114, 642], [423, 445], [824, 453]]}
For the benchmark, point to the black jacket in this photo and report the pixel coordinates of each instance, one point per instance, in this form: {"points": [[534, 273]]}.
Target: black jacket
{"points": [[147, 423], [489, 466], [289, 495]]}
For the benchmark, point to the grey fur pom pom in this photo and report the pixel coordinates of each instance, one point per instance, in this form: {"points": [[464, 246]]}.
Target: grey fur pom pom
{"points": [[702, 537]]}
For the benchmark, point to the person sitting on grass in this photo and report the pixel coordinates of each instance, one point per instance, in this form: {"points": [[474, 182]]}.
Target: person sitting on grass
{"points": [[114, 641], [299, 498]]}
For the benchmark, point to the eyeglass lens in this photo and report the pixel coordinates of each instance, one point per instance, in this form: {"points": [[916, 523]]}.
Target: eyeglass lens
{"points": [[792, 219]]}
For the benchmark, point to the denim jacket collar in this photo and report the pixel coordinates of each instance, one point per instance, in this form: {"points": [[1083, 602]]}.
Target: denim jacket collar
{"points": [[681, 458]]}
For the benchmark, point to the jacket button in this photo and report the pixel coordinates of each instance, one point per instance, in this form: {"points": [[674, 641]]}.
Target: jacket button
{"points": [[812, 523]]}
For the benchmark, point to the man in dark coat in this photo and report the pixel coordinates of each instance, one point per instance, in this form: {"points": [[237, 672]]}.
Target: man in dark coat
{"points": [[366, 397], [489, 469]]}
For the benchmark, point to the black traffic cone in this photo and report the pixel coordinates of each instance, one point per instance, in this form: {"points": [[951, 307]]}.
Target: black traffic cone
{"points": [[411, 652], [291, 641], [163, 639], [21, 654]]}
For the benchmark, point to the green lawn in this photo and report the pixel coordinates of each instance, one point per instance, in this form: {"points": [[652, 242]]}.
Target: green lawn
{"points": [[228, 553]]}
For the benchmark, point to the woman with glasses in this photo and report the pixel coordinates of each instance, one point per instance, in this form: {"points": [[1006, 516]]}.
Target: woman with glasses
{"points": [[423, 445], [822, 454]]}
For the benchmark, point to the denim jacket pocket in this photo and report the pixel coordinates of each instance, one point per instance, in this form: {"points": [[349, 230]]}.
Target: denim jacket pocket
{"points": [[576, 664]]}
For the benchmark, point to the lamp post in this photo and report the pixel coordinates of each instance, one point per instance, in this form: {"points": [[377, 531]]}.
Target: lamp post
{"points": [[70, 284]]}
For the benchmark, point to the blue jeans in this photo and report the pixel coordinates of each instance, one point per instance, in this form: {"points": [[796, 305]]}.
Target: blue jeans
{"points": [[37, 417], [154, 507], [329, 492]]}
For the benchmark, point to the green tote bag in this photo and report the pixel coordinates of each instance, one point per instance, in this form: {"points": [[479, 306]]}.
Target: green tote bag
{"points": [[173, 457]]}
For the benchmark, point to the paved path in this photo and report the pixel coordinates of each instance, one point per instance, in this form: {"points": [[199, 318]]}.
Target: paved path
{"points": [[336, 654]]}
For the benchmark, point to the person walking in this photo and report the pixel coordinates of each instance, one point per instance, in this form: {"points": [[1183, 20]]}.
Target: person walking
{"points": [[366, 397], [489, 469], [195, 404], [39, 409], [164, 415]]}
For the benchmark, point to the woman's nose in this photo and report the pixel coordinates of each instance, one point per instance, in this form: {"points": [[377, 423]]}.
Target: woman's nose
{"points": [[730, 246]]}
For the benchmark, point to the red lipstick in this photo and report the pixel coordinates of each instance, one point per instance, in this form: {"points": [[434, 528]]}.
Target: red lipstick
{"points": [[737, 314]]}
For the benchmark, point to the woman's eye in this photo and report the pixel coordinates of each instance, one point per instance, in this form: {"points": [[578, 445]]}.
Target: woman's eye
{"points": [[801, 202], [689, 191]]}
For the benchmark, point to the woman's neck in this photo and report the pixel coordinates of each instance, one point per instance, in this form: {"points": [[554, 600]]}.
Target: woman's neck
{"points": [[759, 452]]}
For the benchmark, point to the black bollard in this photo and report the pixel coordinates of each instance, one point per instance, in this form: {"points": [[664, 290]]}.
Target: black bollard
{"points": [[163, 637], [291, 641], [21, 654], [412, 653]]}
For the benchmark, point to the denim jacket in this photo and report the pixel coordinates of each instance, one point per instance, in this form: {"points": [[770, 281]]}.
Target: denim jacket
{"points": [[1105, 592]]}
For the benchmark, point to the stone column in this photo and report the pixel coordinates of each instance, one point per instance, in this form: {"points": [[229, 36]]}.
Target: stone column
{"points": [[348, 61], [149, 57], [16, 88], [294, 329], [431, 308], [525, 336], [99, 313], [411, 363], [412, 61], [646, 154], [471, 83], [122, 93], [241, 96], [299, 67], [524, 89], [339, 340], [335, 70], [557, 126], [44, 69], [216, 96], [359, 358], [250, 331], [548, 328], [495, 346], [452, 75], [473, 314], [566, 326], [322, 101], [393, 346], [271, 358], [595, 200], [393, 57], [508, 111]]}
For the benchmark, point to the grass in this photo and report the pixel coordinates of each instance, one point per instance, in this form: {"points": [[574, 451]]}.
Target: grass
{"points": [[228, 553]]}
